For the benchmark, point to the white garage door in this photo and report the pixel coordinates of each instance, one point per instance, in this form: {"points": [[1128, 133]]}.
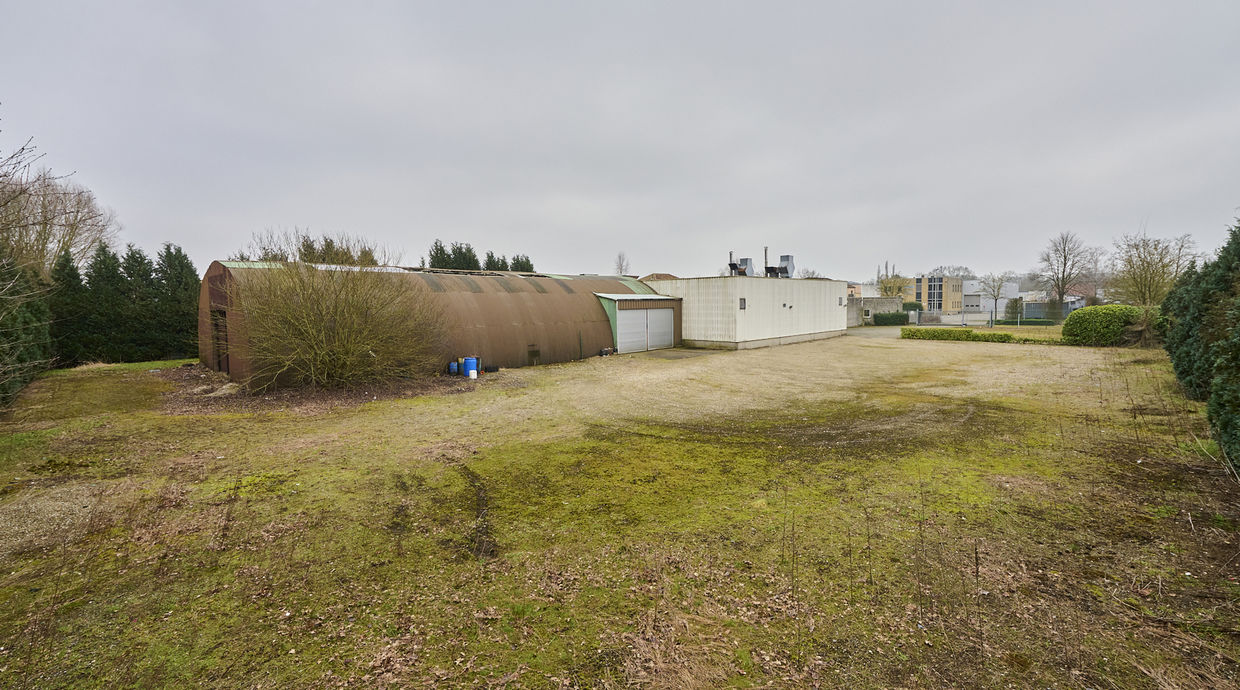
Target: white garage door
{"points": [[638, 330], [631, 330], [659, 328]]}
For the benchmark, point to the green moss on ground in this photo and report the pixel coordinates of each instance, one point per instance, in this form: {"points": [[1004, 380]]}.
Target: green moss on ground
{"points": [[908, 538]]}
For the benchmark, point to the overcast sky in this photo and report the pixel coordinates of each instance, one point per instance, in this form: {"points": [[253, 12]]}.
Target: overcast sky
{"points": [[845, 134]]}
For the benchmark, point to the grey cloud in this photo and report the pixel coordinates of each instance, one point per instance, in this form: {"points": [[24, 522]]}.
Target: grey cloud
{"points": [[846, 134]]}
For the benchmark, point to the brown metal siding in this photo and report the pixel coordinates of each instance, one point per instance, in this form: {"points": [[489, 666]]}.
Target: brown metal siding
{"points": [[499, 318]]}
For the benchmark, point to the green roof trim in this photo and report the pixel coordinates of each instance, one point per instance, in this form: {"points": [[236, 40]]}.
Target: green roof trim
{"points": [[637, 286], [609, 306]]}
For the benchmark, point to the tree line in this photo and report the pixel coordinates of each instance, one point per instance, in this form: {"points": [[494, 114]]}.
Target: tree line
{"points": [[65, 296], [462, 257]]}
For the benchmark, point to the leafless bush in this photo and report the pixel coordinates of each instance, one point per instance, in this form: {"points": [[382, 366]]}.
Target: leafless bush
{"points": [[332, 328]]}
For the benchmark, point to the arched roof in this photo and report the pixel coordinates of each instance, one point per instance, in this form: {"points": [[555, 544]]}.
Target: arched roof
{"points": [[506, 318]]}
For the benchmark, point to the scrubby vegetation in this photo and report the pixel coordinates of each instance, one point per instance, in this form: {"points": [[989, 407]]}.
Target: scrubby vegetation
{"points": [[321, 327]]}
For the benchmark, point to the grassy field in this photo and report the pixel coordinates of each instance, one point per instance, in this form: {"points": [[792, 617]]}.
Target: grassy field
{"points": [[853, 512]]}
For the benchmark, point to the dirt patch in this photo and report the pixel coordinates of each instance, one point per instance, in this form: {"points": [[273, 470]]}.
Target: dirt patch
{"points": [[43, 517], [482, 544], [195, 385]]}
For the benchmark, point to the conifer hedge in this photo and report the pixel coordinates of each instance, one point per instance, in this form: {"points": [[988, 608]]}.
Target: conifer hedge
{"points": [[1202, 314]]}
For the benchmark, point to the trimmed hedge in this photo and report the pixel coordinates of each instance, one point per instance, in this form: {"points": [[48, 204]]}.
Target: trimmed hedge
{"points": [[1101, 326], [895, 318], [913, 306], [955, 334], [1024, 322]]}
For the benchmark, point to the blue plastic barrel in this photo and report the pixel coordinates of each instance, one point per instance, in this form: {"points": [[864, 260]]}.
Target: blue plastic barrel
{"points": [[452, 368], [471, 367]]}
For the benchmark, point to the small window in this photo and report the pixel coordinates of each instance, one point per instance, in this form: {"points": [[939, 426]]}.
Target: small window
{"points": [[841, 301], [742, 303], [867, 313]]}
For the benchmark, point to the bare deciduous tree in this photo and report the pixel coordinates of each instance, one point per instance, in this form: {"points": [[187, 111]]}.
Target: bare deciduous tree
{"points": [[809, 273], [43, 215], [1145, 268], [893, 286], [622, 264], [992, 288], [962, 272], [1063, 263], [23, 318]]}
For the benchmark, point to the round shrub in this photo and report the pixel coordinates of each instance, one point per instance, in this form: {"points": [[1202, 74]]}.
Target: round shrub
{"points": [[1100, 326], [913, 306]]}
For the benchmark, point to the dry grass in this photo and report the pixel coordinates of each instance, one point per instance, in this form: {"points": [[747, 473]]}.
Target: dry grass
{"points": [[860, 512]]}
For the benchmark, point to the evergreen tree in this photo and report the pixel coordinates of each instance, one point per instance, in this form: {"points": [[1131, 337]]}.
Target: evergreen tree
{"points": [[176, 302], [1197, 311], [140, 330], [521, 262], [1182, 310], [104, 327], [68, 304], [464, 258], [439, 257], [25, 344], [495, 263], [1224, 407]]}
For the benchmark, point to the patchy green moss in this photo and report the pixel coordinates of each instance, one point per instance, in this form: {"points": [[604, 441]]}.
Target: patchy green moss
{"points": [[914, 534]]}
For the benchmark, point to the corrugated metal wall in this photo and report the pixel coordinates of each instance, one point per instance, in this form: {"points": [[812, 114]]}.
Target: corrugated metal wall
{"points": [[774, 308], [506, 319]]}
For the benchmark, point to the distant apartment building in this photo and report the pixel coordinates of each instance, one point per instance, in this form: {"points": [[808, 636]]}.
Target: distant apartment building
{"points": [[936, 293]]}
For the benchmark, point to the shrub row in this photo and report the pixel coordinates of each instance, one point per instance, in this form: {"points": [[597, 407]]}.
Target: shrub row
{"points": [[897, 318], [1202, 321], [1024, 322], [1100, 326], [955, 334]]}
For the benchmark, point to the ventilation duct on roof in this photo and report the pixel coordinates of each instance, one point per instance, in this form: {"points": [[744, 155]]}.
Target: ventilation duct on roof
{"points": [[786, 267], [748, 268]]}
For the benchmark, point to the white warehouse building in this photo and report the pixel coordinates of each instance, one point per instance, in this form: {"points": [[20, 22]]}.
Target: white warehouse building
{"points": [[742, 312]]}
